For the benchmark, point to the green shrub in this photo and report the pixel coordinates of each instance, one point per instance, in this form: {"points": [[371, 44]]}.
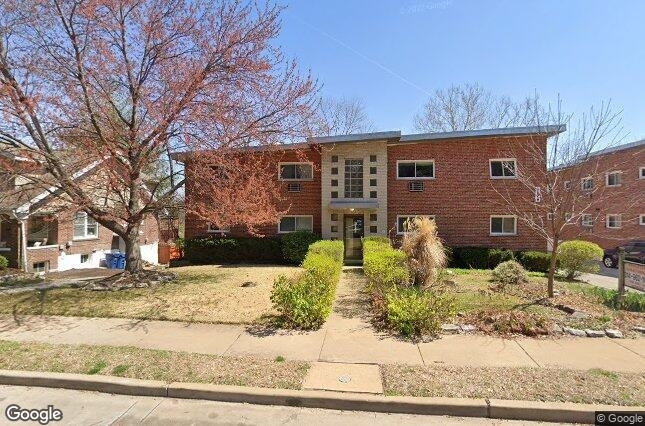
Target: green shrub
{"points": [[535, 261], [416, 312], [233, 250], [384, 266], [4, 263], [296, 244], [509, 273], [579, 256], [632, 301], [472, 257], [306, 300], [497, 256]]}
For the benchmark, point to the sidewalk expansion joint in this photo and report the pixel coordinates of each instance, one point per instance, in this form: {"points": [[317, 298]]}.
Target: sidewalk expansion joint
{"points": [[231, 345], [527, 354], [423, 361], [323, 344], [625, 347]]}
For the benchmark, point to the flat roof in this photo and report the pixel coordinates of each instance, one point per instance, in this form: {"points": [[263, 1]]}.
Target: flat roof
{"points": [[356, 137], [507, 131], [617, 148]]}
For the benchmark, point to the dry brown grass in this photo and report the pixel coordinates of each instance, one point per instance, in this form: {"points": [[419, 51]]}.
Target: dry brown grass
{"points": [[211, 294], [532, 384], [152, 364]]}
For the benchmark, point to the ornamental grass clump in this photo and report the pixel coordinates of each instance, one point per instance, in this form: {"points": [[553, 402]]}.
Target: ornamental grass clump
{"points": [[425, 254]]}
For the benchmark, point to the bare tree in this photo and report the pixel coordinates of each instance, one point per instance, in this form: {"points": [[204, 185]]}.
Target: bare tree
{"points": [[341, 117], [111, 86], [569, 188], [470, 107]]}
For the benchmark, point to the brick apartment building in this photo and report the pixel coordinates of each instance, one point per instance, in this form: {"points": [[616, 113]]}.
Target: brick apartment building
{"points": [[615, 179], [347, 187]]}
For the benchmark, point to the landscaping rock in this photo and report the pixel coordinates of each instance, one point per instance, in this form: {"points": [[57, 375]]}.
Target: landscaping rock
{"points": [[579, 315], [595, 333], [556, 329], [468, 328], [450, 328], [614, 334], [574, 331], [639, 329]]}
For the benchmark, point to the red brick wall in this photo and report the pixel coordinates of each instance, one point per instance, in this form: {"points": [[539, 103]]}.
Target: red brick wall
{"points": [[462, 195], [627, 200], [305, 202], [104, 241]]}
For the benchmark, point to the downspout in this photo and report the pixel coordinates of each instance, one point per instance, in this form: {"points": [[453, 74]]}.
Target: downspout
{"points": [[23, 245]]}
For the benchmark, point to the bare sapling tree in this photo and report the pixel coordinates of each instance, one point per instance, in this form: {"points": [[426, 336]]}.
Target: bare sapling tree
{"points": [[568, 191], [471, 107], [342, 116], [110, 87], [425, 253]]}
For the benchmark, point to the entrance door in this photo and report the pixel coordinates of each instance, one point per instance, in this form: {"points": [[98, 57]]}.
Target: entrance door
{"points": [[352, 236]]}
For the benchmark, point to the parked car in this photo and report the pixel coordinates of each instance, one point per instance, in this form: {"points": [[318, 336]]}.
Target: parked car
{"points": [[634, 251]]}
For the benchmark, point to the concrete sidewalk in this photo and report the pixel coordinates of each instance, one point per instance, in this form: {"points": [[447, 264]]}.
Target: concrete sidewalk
{"points": [[348, 341]]}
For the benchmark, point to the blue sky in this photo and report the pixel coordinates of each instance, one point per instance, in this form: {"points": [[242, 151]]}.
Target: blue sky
{"points": [[392, 54]]}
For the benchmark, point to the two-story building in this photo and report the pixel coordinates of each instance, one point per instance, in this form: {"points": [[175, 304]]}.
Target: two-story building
{"points": [[350, 186], [614, 178]]}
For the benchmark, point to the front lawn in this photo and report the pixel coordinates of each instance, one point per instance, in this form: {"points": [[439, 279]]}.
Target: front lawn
{"points": [[479, 302], [216, 294]]}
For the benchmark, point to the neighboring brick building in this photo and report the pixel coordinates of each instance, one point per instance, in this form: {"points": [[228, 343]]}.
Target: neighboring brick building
{"points": [[352, 186], [39, 233], [616, 210]]}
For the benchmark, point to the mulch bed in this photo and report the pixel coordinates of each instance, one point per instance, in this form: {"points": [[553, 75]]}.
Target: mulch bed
{"points": [[127, 280]]}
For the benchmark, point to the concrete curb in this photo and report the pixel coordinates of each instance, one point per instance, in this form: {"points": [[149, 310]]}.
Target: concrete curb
{"points": [[462, 407]]}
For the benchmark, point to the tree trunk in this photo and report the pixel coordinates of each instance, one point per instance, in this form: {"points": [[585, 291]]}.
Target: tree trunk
{"points": [[552, 268], [133, 261]]}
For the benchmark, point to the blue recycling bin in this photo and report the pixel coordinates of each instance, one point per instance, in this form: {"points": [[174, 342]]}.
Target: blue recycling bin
{"points": [[111, 260], [120, 260]]}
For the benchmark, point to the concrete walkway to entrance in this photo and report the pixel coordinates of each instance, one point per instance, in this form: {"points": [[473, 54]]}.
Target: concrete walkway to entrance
{"points": [[347, 337]]}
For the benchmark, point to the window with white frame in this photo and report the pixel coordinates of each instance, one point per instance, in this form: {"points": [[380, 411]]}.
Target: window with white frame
{"points": [[641, 173], [402, 221], [614, 221], [354, 178], [567, 185], [295, 223], [418, 169], [549, 216], [503, 168], [85, 227], [296, 171], [503, 225], [216, 229], [568, 217], [613, 178], [587, 184], [586, 220], [641, 220]]}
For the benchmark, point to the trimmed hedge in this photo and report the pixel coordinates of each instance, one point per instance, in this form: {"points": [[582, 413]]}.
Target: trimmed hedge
{"points": [[4, 263], [296, 244], [535, 261], [233, 250], [305, 301], [383, 265]]}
